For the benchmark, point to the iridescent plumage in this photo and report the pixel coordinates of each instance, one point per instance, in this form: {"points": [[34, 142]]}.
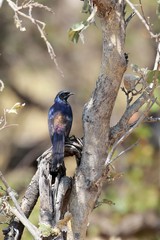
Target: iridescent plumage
{"points": [[59, 123]]}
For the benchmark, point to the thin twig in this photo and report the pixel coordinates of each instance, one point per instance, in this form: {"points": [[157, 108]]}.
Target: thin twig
{"points": [[39, 24], [30, 227], [157, 59], [143, 20], [18, 211], [8, 125], [119, 141], [152, 119], [124, 151], [10, 193], [118, 130], [129, 18], [143, 15]]}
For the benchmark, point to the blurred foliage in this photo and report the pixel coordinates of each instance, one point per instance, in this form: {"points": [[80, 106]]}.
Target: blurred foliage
{"points": [[31, 77], [75, 32], [153, 75], [158, 8]]}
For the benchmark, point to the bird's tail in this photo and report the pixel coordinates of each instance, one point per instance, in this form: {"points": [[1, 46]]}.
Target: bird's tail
{"points": [[58, 141]]}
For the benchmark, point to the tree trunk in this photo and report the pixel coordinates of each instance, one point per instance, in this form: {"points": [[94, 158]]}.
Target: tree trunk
{"points": [[96, 117]]}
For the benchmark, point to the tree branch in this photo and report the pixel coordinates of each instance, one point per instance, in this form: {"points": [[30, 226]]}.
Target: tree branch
{"points": [[152, 119], [143, 20], [30, 227], [128, 132], [17, 211], [96, 116], [45, 192], [120, 128], [28, 201], [53, 199], [39, 24], [157, 59]]}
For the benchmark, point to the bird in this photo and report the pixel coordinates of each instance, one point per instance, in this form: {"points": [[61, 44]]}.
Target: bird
{"points": [[60, 119]]}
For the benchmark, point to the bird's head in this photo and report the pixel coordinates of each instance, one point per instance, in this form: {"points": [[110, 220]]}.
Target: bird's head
{"points": [[63, 95]]}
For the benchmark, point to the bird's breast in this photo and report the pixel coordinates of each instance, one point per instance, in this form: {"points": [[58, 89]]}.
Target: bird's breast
{"points": [[59, 119], [60, 122]]}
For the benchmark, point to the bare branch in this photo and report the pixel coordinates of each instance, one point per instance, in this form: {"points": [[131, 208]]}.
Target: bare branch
{"points": [[28, 202], [143, 15], [143, 20], [119, 129], [124, 151], [45, 192], [129, 18], [157, 59], [3, 119], [60, 194], [11, 193], [18, 211], [152, 119], [39, 24], [30, 227], [128, 132]]}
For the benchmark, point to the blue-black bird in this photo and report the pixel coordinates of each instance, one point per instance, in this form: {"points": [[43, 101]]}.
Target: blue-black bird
{"points": [[59, 123]]}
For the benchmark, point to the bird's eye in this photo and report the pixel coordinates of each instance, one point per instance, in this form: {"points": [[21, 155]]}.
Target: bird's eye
{"points": [[62, 96]]}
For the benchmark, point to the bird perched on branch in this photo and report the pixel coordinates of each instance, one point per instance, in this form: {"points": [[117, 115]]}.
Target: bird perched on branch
{"points": [[59, 123]]}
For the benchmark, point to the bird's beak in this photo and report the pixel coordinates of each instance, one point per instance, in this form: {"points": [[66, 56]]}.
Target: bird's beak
{"points": [[70, 94]]}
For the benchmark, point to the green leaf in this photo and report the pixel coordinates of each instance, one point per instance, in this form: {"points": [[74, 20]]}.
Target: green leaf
{"points": [[109, 202], [76, 29], [73, 35], [86, 7], [153, 75], [78, 26]]}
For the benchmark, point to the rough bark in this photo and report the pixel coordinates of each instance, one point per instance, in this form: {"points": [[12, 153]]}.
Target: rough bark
{"points": [[53, 197], [45, 193], [96, 117]]}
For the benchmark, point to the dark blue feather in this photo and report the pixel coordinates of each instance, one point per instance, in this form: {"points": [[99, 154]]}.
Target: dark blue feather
{"points": [[59, 123], [58, 141]]}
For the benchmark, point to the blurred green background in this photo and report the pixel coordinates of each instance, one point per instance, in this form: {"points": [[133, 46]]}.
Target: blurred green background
{"points": [[31, 77]]}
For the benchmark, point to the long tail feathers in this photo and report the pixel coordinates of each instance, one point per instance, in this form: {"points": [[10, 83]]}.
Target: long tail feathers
{"points": [[58, 141]]}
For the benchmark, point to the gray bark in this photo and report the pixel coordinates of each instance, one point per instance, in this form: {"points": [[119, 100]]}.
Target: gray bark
{"points": [[96, 117], [53, 197]]}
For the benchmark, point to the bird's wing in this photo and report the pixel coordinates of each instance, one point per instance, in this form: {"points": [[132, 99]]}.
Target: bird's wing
{"points": [[57, 126], [60, 123]]}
